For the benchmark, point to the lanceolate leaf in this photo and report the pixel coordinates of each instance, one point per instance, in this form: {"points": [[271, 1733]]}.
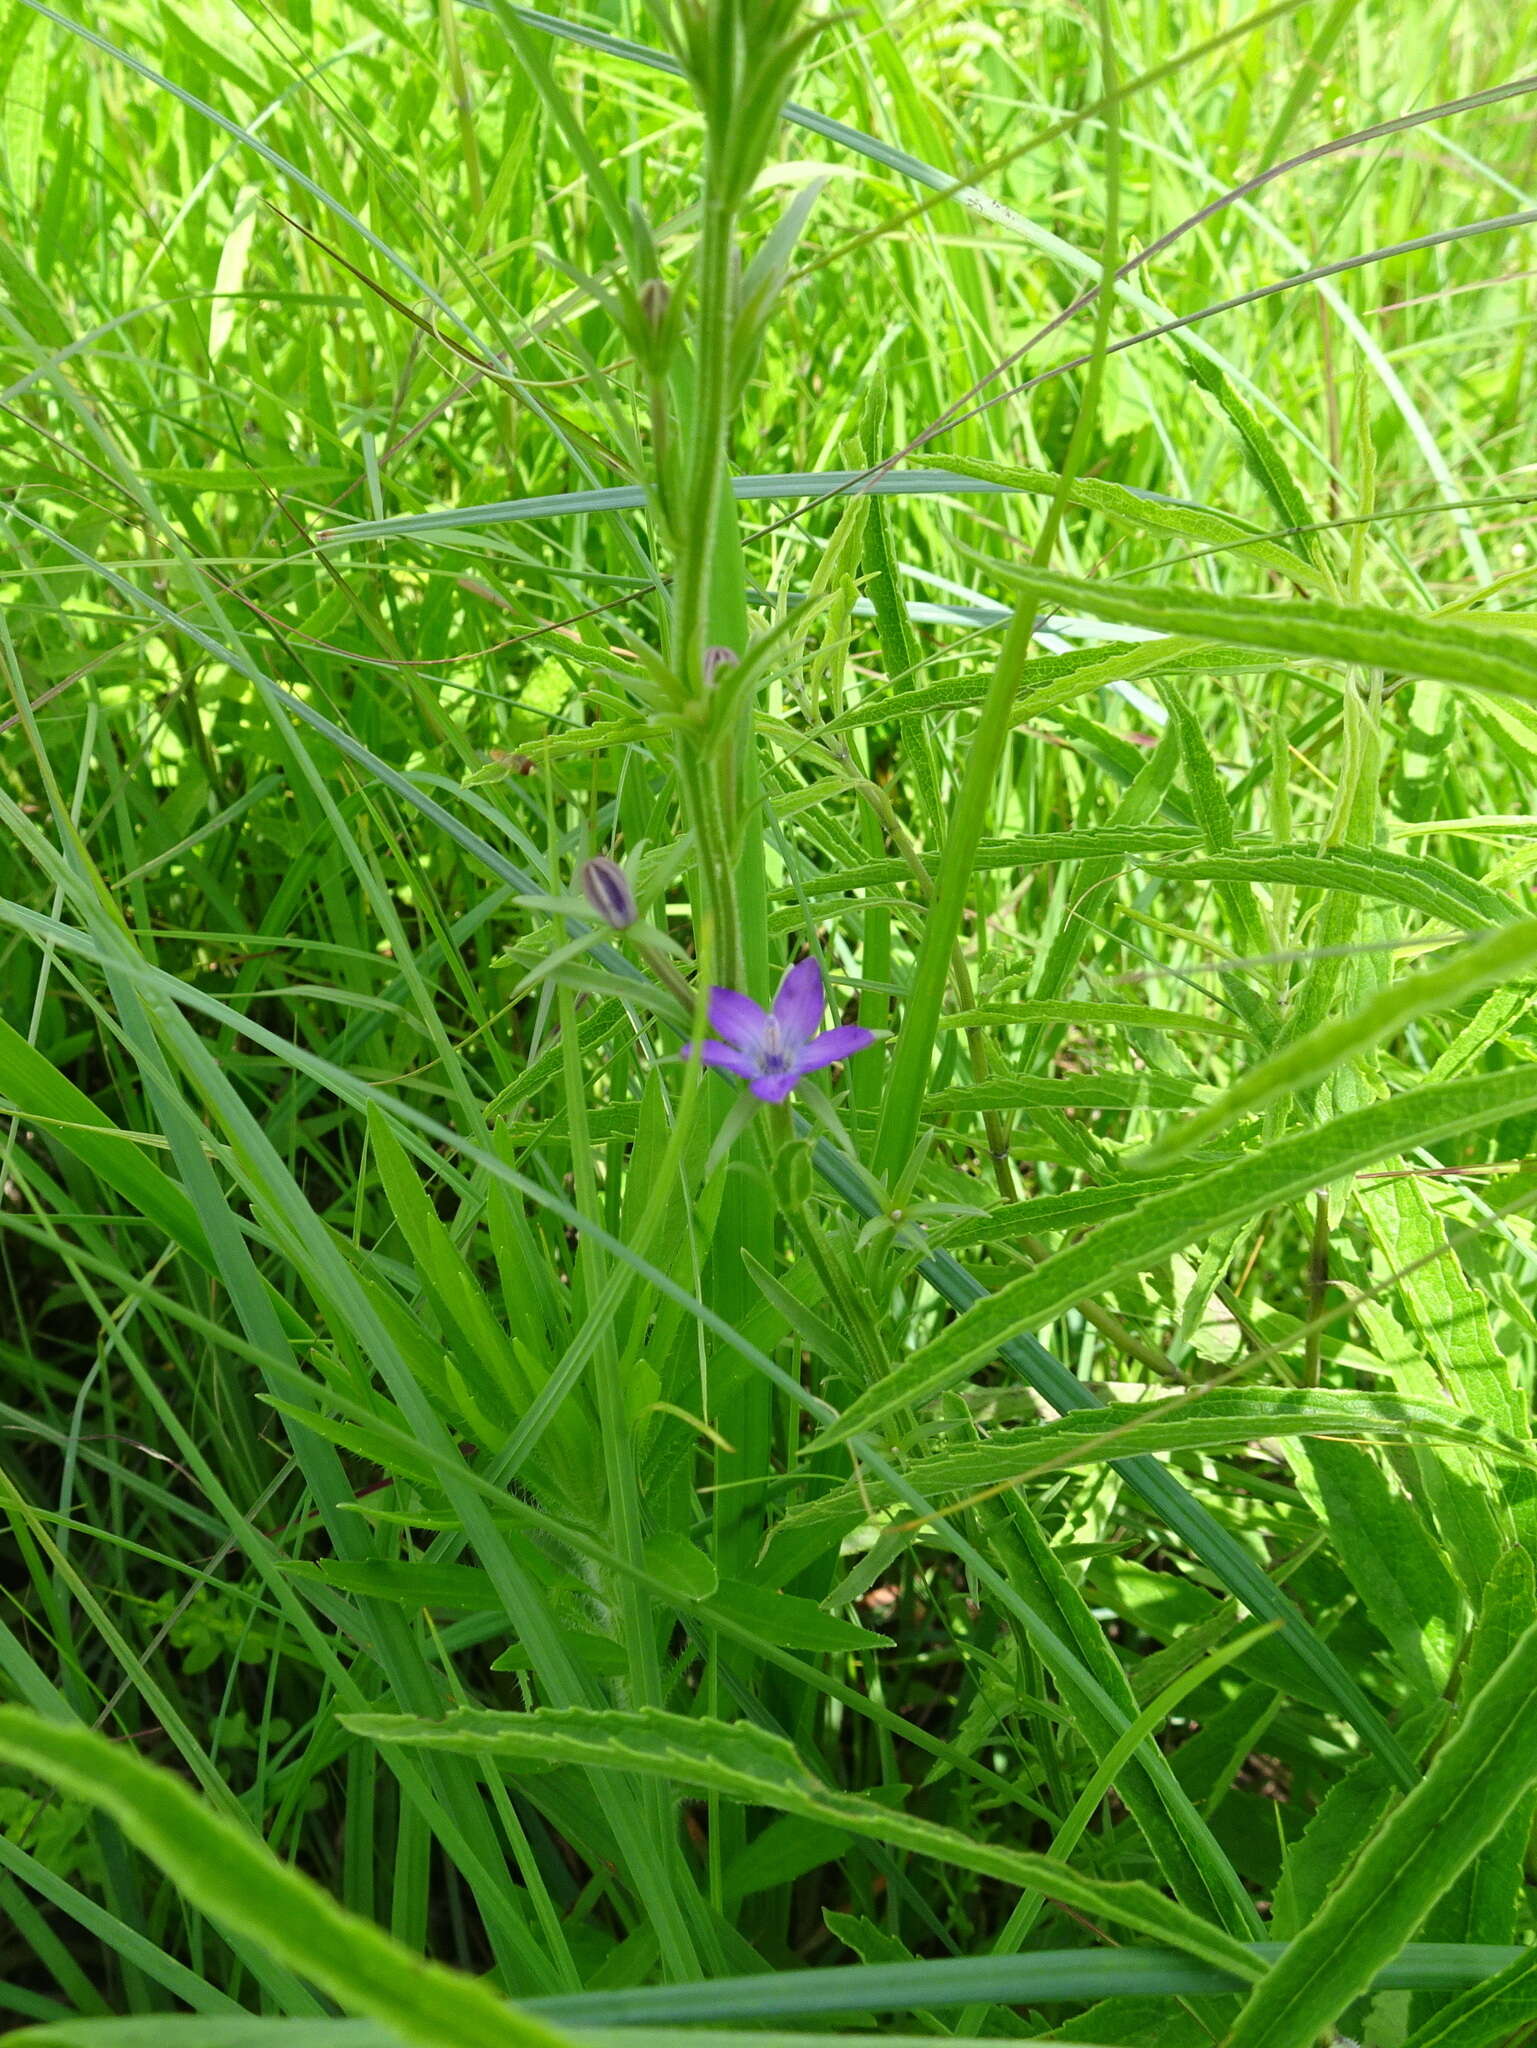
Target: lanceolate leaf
{"points": [[1027, 850], [1477, 657], [1510, 950], [1194, 523], [1412, 880], [1067, 1091], [1168, 1222], [1049, 681], [741, 1761], [1171, 1502], [1501, 2010], [229, 1875], [1218, 1420], [1485, 1769]]}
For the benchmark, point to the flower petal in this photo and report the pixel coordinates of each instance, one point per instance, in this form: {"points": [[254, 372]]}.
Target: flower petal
{"points": [[773, 1087], [738, 1019], [838, 1044], [726, 1057], [798, 1005]]}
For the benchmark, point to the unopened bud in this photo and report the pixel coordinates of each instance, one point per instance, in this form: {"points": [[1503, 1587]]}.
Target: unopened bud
{"points": [[655, 297], [607, 889], [715, 659], [792, 1175]]}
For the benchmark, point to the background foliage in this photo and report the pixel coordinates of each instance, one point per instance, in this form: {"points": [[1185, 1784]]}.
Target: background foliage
{"points": [[472, 1493]]}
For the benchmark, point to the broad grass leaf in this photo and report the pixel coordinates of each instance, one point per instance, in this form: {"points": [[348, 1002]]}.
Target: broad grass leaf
{"points": [[1041, 1976]]}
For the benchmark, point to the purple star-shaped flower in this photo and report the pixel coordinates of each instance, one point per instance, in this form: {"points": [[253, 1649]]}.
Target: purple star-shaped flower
{"points": [[773, 1049]]}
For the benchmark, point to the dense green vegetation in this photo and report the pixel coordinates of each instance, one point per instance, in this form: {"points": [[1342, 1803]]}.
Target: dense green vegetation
{"points": [[511, 1536]]}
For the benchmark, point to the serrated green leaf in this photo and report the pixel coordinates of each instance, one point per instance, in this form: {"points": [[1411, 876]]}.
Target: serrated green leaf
{"points": [[1265, 461], [1392, 1559], [1057, 1212], [1136, 509], [1051, 681], [1484, 1768], [228, 1874], [1218, 1420], [1507, 951], [1482, 1905], [1502, 2010], [1067, 1091], [741, 1761], [1485, 658], [1024, 850], [1167, 1223], [1413, 881]]}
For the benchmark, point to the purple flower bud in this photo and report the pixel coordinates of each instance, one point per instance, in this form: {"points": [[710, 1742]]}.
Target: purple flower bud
{"points": [[655, 298], [715, 659], [607, 889]]}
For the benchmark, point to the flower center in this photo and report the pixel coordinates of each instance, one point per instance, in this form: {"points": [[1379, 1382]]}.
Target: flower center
{"points": [[773, 1059]]}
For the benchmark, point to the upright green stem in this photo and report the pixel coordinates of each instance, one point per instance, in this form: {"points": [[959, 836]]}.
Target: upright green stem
{"points": [[716, 780], [711, 424], [702, 785]]}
